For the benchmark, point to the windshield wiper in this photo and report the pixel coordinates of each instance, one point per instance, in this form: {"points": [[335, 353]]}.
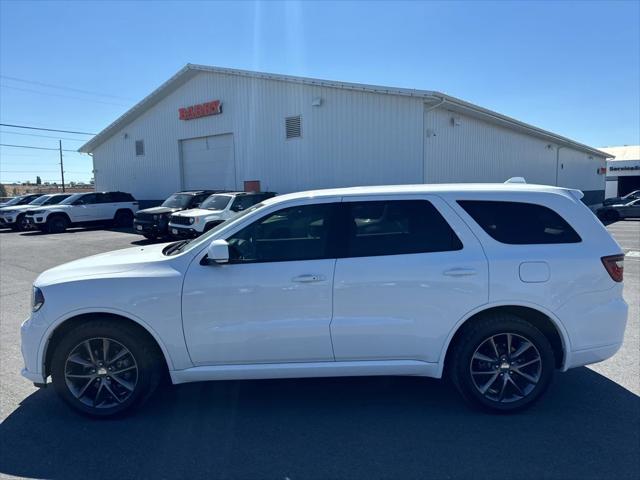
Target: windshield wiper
{"points": [[175, 247]]}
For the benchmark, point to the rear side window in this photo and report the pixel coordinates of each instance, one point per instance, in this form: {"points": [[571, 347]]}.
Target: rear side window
{"points": [[396, 228], [121, 197], [519, 223]]}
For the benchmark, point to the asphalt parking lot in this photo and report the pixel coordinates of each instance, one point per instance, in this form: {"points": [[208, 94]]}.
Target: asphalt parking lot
{"points": [[587, 425]]}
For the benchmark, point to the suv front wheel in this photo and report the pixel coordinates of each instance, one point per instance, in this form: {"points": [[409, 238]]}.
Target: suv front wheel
{"points": [[103, 368], [502, 363]]}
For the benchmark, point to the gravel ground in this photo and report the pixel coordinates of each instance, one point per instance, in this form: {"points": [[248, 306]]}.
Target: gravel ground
{"points": [[587, 426]]}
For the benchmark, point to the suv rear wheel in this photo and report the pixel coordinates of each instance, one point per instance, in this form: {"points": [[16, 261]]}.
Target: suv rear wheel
{"points": [[123, 218], [502, 363], [103, 368]]}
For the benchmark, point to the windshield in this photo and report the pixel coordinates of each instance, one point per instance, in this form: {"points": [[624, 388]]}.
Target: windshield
{"points": [[71, 199], [632, 194], [216, 202], [40, 200], [177, 200], [55, 199], [186, 245], [13, 201]]}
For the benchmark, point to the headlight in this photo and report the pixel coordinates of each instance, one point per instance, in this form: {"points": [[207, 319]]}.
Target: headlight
{"points": [[192, 220], [37, 299]]}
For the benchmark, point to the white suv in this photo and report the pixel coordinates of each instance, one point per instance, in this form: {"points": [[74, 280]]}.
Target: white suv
{"points": [[495, 285], [83, 209], [213, 211]]}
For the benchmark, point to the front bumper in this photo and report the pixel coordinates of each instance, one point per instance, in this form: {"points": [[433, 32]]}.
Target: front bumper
{"points": [[7, 222], [32, 331], [35, 219], [183, 232], [149, 227]]}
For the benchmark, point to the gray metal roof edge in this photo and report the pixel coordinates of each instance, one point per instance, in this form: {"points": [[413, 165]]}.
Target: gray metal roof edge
{"points": [[186, 72]]}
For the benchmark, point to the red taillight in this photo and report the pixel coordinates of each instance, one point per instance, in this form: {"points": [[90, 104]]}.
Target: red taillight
{"points": [[614, 264]]}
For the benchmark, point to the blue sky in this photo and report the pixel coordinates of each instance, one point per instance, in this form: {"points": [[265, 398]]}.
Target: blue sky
{"points": [[569, 67]]}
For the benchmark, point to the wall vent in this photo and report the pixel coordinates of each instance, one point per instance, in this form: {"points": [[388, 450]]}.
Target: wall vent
{"points": [[293, 126]]}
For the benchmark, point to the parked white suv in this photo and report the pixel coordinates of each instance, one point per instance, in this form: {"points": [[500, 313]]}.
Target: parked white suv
{"points": [[495, 285], [83, 209], [213, 211]]}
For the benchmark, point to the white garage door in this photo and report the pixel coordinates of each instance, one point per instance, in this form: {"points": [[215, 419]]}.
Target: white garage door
{"points": [[208, 163]]}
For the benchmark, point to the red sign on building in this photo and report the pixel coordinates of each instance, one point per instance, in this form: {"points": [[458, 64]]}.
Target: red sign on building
{"points": [[200, 110]]}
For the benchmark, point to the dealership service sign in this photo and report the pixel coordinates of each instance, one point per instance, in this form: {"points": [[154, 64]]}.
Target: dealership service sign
{"points": [[200, 110]]}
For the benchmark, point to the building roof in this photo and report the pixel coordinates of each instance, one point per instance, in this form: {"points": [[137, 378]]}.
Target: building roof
{"points": [[436, 99], [625, 152]]}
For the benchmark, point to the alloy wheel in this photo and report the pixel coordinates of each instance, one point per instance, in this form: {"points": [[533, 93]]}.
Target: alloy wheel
{"points": [[506, 367], [101, 372]]}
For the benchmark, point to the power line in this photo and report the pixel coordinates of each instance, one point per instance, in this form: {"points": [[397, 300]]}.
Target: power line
{"points": [[9, 132], [44, 129], [62, 96], [35, 148], [50, 85]]}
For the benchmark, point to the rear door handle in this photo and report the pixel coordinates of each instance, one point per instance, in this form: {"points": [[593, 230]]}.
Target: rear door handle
{"points": [[460, 272], [308, 278]]}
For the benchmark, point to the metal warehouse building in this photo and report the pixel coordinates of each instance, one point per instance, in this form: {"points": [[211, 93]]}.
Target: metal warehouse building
{"points": [[623, 171], [218, 128]]}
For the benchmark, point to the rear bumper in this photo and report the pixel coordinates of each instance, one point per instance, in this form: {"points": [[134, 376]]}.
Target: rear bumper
{"points": [[579, 358]]}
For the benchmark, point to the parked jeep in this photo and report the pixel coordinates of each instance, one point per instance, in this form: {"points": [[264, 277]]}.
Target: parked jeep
{"points": [[213, 211], [153, 222], [83, 209], [14, 217]]}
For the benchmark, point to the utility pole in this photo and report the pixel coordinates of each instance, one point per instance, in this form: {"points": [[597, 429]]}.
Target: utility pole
{"points": [[61, 164]]}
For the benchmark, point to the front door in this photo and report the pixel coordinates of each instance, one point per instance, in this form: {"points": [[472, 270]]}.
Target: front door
{"points": [[272, 302], [410, 271]]}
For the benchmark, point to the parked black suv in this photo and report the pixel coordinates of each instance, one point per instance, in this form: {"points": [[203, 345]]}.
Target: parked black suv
{"points": [[153, 222]]}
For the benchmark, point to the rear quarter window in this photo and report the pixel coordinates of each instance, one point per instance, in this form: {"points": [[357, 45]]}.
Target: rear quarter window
{"points": [[519, 223]]}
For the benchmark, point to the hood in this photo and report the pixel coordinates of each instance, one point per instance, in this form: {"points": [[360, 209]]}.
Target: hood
{"points": [[198, 212], [103, 265], [159, 210], [13, 208]]}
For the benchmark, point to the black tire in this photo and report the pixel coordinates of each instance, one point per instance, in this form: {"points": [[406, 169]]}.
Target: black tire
{"points": [[21, 223], [57, 224], [150, 236], [123, 218], [211, 225], [611, 216], [509, 370], [143, 377]]}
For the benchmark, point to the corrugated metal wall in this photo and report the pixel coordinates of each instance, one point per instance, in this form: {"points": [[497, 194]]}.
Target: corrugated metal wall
{"points": [[352, 138]]}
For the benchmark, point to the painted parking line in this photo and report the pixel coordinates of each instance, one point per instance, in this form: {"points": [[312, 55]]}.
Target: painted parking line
{"points": [[633, 254]]}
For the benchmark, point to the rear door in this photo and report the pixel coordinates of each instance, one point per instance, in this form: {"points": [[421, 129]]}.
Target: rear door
{"points": [[410, 271]]}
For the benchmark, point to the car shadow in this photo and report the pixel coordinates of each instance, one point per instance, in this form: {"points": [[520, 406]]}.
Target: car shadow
{"points": [[377, 427]]}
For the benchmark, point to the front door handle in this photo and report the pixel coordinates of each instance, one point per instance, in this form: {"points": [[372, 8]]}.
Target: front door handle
{"points": [[308, 278], [460, 272]]}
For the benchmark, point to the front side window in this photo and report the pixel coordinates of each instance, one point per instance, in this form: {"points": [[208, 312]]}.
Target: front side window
{"points": [[519, 223], [242, 202], [296, 233], [397, 227], [86, 199]]}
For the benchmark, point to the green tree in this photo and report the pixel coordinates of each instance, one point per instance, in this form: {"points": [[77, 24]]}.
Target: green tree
{"points": [[38, 180], [3, 191]]}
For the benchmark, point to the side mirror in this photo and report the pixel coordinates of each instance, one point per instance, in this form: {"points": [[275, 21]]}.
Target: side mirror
{"points": [[218, 251]]}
